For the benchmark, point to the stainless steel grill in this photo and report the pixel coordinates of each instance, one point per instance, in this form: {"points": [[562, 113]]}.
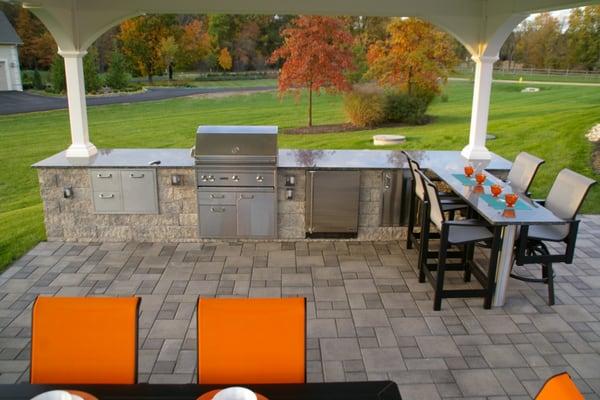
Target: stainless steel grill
{"points": [[236, 169]]}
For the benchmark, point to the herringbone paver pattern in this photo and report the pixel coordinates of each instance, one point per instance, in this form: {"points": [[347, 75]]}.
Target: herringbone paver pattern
{"points": [[368, 317]]}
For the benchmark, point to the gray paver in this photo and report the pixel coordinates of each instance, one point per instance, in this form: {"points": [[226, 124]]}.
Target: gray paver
{"points": [[367, 316]]}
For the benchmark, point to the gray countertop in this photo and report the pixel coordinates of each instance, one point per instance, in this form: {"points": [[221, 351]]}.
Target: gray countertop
{"points": [[318, 159]]}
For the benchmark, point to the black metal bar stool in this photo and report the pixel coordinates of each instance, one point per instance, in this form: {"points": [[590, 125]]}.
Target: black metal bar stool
{"points": [[464, 234], [564, 199]]}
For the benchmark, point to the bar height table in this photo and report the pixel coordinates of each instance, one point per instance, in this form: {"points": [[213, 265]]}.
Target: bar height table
{"points": [[527, 213]]}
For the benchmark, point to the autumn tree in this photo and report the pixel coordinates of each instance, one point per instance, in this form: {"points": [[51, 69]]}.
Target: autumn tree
{"points": [[168, 51], [225, 61], [414, 57], [583, 36], [38, 47], [317, 52], [542, 44], [194, 45], [140, 40]]}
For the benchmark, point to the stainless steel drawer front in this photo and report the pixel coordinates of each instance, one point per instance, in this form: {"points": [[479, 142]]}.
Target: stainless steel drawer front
{"points": [[105, 179], [208, 198], [107, 202]]}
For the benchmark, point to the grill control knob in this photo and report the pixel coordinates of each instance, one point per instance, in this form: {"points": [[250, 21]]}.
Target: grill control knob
{"points": [[211, 178], [235, 178], [260, 178], [203, 178]]}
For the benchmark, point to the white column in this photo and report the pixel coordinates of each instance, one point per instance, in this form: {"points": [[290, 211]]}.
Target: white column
{"points": [[476, 150], [80, 138]]}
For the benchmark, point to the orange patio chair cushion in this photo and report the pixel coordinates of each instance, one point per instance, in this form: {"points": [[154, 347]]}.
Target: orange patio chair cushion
{"points": [[243, 341], [559, 387], [85, 340]]}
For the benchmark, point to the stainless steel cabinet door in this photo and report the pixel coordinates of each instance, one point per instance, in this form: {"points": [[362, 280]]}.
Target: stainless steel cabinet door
{"points": [[139, 191], [332, 200], [217, 221], [256, 215]]}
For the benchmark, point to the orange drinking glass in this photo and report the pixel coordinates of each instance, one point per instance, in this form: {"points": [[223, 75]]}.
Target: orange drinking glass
{"points": [[478, 189], [511, 199], [480, 178], [496, 190], [469, 170]]}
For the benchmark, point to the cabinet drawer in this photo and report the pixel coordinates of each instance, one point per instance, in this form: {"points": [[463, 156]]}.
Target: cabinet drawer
{"points": [[218, 221], [208, 198], [105, 180], [108, 202], [139, 191]]}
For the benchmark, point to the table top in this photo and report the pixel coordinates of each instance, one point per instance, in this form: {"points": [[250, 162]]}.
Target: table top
{"points": [[374, 390], [526, 211]]}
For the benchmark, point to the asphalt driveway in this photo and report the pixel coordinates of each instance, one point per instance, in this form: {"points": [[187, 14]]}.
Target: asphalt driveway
{"points": [[13, 102]]}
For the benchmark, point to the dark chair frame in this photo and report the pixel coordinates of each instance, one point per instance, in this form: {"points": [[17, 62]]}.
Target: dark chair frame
{"points": [[468, 264], [535, 251]]}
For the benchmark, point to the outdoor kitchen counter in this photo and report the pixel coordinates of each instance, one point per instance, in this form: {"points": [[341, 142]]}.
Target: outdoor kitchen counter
{"points": [[121, 195], [310, 159]]}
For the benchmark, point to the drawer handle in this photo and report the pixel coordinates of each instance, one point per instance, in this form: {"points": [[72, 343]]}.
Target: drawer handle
{"points": [[136, 176], [106, 196], [104, 176], [217, 196], [246, 196], [217, 209]]}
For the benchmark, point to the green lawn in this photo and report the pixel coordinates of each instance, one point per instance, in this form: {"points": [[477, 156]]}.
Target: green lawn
{"points": [[550, 124], [531, 77], [244, 83]]}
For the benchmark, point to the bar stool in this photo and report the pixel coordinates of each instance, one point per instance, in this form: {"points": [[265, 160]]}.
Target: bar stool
{"points": [[564, 199], [417, 203], [523, 171], [463, 233]]}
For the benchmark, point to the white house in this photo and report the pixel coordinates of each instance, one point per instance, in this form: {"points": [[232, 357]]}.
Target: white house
{"points": [[10, 72]]}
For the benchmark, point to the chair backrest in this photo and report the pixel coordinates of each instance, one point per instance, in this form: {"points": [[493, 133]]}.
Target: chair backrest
{"points": [[251, 341], [84, 340], [559, 387], [435, 207], [523, 171], [567, 195], [415, 170]]}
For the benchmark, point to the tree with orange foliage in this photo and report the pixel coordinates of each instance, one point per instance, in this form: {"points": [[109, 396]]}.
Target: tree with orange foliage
{"points": [[194, 45], [415, 57], [317, 52], [141, 41], [225, 60]]}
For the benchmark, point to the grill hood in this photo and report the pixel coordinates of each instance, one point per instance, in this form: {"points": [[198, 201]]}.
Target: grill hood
{"points": [[222, 144]]}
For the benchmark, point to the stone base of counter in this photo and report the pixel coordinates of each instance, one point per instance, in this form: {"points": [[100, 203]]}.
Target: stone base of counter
{"points": [[74, 219]]}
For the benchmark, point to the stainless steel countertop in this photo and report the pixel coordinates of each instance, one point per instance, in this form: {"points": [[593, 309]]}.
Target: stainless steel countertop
{"points": [[317, 159]]}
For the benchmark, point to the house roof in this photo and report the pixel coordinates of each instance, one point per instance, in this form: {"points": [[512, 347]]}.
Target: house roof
{"points": [[8, 35]]}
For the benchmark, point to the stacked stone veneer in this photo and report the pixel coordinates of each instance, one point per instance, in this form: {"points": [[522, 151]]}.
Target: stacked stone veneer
{"points": [[73, 219], [291, 212]]}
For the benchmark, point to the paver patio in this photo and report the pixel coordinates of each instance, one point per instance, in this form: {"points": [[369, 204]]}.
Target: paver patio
{"points": [[368, 317]]}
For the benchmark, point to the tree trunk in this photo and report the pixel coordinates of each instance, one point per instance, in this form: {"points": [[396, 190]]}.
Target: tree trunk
{"points": [[310, 105], [170, 71]]}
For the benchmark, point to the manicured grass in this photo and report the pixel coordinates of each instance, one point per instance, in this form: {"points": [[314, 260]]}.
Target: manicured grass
{"points": [[242, 83], [537, 77], [550, 124]]}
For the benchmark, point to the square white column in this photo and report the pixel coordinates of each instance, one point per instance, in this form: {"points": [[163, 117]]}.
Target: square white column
{"points": [[81, 147], [476, 150]]}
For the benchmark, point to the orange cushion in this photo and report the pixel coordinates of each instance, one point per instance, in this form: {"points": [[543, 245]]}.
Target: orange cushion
{"points": [[84, 340], [243, 341], [559, 387]]}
